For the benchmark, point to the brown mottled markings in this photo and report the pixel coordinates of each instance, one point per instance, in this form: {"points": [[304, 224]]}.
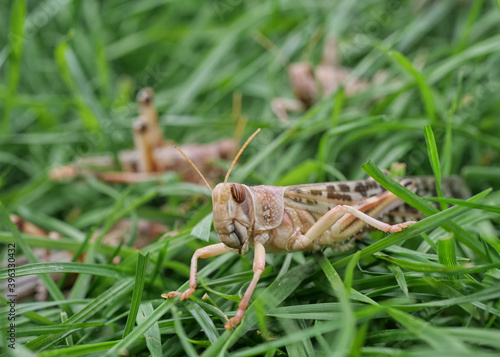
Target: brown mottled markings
{"points": [[316, 192], [344, 187], [311, 202], [339, 196], [336, 196], [361, 189], [427, 187]]}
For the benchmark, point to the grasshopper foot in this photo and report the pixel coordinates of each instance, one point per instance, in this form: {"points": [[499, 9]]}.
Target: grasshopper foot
{"points": [[400, 226], [232, 322], [183, 295]]}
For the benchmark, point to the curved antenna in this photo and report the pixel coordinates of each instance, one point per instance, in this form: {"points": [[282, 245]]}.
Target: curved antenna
{"points": [[239, 154], [192, 164]]}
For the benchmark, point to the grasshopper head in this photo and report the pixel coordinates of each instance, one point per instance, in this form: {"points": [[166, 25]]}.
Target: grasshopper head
{"points": [[232, 204]]}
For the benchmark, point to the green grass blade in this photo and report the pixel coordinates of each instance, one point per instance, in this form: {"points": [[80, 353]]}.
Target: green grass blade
{"points": [[179, 330], [153, 337], [202, 228], [140, 330], [434, 159], [395, 238], [69, 339], [473, 15], [449, 292], [87, 116], [339, 99], [204, 320], [349, 271], [481, 172], [52, 287], [61, 244], [278, 291], [31, 331], [420, 204], [76, 351], [112, 295], [400, 278], [447, 251], [458, 202], [16, 41], [140, 278], [425, 89], [293, 337], [80, 268], [344, 340], [437, 338]]}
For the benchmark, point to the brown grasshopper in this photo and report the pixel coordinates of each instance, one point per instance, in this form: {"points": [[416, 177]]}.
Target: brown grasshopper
{"points": [[304, 217], [310, 84], [30, 285], [152, 154]]}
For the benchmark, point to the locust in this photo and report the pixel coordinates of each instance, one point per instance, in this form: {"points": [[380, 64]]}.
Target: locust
{"points": [[310, 83], [274, 219], [152, 153], [31, 286]]}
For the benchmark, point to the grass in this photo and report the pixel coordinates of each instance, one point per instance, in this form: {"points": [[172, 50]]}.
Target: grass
{"points": [[68, 81]]}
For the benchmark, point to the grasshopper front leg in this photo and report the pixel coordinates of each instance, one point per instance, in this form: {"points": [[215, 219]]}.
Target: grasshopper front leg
{"points": [[344, 221], [259, 264], [281, 107], [205, 252]]}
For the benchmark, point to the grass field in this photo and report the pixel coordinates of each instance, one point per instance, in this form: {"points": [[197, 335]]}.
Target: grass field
{"points": [[68, 80]]}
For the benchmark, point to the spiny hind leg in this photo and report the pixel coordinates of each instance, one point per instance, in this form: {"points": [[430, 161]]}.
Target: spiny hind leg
{"points": [[343, 221], [205, 252]]}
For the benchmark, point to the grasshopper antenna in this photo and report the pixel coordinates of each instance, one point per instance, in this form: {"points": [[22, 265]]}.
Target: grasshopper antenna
{"points": [[239, 154], [194, 166]]}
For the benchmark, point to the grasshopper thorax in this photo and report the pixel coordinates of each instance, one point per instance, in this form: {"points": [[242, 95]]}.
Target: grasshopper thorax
{"points": [[232, 207]]}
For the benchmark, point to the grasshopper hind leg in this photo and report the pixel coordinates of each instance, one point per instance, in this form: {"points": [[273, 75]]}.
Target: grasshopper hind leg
{"points": [[344, 221]]}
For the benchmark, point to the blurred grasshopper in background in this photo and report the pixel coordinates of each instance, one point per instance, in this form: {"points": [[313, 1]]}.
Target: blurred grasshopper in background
{"points": [[153, 154], [30, 286], [304, 217], [310, 83]]}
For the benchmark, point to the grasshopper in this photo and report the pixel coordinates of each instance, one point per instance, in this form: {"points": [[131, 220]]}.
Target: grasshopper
{"points": [[29, 286], [304, 217], [310, 83], [152, 153]]}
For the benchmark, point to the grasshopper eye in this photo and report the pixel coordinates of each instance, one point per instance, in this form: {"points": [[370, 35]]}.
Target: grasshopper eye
{"points": [[238, 193]]}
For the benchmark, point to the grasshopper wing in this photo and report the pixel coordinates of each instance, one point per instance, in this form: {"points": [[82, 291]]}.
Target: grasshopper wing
{"points": [[321, 197]]}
